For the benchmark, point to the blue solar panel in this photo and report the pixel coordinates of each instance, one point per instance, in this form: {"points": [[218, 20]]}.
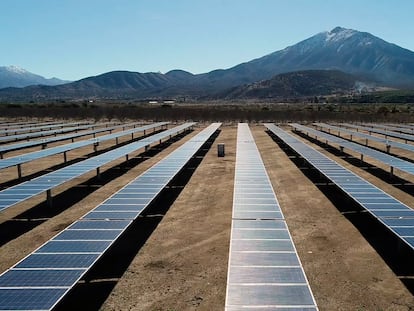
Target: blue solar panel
{"points": [[404, 231], [121, 208], [30, 299], [119, 215], [74, 247], [56, 261], [100, 224], [40, 278], [72, 234]]}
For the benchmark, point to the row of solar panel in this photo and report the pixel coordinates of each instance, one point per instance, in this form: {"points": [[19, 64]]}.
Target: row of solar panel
{"points": [[387, 159], [45, 141], [20, 125], [396, 216], [402, 125], [264, 269], [20, 159], [387, 142], [6, 123], [42, 279], [10, 138], [391, 128], [370, 130], [28, 189], [39, 128]]}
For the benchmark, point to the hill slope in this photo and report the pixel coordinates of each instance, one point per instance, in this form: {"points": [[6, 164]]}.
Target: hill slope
{"points": [[12, 76], [296, 84]]}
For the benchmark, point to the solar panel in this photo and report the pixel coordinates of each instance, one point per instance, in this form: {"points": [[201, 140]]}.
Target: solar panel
{"points": [[47, 140], [20, 159], [387, 159], [264, 269], [402, 125], [75, 250], [40, 128], [406, 137], [51, 180], [20, 125], [385, 141], [387, 209], [390, 128], [44, 133]]}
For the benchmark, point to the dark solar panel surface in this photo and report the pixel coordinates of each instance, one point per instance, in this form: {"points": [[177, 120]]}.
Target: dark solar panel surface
{"points": [[264, 268]]}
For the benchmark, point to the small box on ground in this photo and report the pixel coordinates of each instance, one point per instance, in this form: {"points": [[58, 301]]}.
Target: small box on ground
{"points": [[220, 150]]}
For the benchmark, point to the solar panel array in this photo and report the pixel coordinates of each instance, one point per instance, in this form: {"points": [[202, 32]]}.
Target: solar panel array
{"points": [[387, 159], [19, 125], [389, 128], [405, 137], [42, 279], [20, 159], [4, 124], [264, 269], [402, 125], [45, 133], [28, 189], [395, 215], [39, 128], [384, 141], [53, 139]]}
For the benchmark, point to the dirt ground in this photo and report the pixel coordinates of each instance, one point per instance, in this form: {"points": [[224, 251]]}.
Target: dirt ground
{"points": [[181, 263]]}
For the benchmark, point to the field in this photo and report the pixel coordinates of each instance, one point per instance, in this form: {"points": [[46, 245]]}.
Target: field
{"points": [[175, 256]]}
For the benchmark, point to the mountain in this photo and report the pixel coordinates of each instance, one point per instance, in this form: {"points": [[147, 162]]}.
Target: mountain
{"points": [[13, 76], [342, 49], [296, 84], [358, 53]]}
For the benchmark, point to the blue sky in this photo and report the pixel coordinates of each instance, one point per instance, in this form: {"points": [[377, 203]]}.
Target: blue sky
{"points": [[73, 39]]}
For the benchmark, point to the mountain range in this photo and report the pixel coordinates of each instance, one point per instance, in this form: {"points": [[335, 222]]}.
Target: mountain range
{"points": [[359, 55], [13, 76]]}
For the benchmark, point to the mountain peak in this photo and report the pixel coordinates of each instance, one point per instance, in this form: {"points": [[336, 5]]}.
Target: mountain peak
{"points": [[340, 34], [15, 69]]}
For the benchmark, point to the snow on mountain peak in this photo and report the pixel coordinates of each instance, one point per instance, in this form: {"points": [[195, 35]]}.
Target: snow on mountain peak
{"points": [[339, 34], [16, 69]]}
